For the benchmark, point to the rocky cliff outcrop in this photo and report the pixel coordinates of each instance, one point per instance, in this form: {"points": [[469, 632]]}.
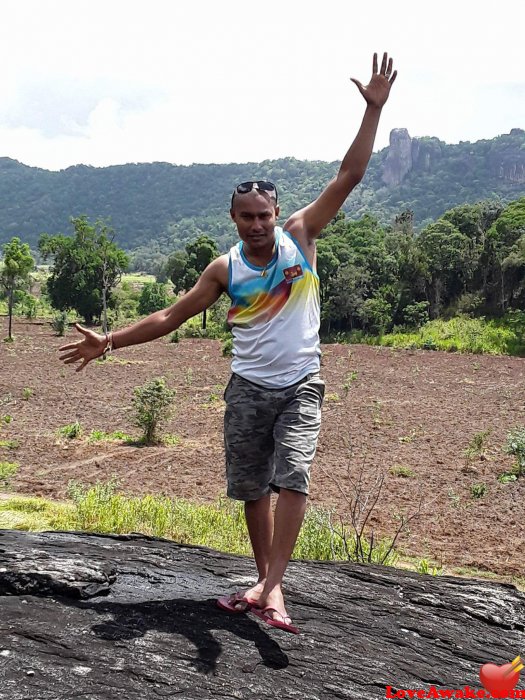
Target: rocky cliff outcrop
{"points": [[399, 158], [503, 159], [129, 618]]}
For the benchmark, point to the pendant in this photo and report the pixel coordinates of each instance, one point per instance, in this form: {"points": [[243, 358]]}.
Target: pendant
{"points": [[263, 273]]}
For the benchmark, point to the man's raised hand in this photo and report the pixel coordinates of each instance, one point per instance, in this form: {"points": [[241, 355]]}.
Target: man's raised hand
{"points": [[90, 347], [377, 91]]}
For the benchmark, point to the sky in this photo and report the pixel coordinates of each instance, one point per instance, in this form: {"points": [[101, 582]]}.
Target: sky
{"points": [[105, 82]]}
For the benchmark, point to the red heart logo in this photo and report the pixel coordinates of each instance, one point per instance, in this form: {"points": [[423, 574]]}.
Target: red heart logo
{"points": [[499, 680]]}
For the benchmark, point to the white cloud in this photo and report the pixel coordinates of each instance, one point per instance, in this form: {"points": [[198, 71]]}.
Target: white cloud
{"points": [[106, 82]]}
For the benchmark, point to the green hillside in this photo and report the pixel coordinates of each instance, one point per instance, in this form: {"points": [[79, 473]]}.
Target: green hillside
{"points": [[159, 206]]}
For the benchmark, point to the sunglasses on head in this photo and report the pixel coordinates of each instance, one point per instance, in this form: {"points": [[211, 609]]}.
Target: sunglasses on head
{"points": [[261, 185]]}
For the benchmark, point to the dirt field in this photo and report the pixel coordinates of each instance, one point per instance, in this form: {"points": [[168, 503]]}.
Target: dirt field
{"points": [[417, 411]]}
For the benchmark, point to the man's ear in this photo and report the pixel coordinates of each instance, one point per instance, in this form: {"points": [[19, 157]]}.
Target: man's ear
{"points": [[232, 213], [277, 212]]}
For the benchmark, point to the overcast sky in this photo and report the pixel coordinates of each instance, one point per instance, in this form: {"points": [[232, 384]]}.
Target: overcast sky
{"points": [[213, 81]]}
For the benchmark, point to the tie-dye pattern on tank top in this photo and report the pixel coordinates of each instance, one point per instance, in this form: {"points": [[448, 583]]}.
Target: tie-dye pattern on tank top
{"points": [[274, 317]]}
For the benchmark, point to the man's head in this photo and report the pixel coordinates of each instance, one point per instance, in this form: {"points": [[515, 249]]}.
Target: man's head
{"points": [[254, 210], [257, 186]]}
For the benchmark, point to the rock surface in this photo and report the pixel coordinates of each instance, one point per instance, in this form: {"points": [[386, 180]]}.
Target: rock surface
{"points": [[130, 617]]}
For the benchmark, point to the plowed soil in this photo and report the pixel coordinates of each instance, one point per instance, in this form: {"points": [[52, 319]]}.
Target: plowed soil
{"points": [[409, 415]]}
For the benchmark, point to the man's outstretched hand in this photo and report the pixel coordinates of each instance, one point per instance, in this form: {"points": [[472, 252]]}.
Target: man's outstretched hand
{"points": [[90, 347], [377, 91]]}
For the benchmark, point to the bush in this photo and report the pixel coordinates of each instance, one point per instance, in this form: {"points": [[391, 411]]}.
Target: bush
{"points": [[478, 490], [152, 404], [28, 305], [60, 323], [416, 315], [515, 446], [71, 431], [7, 470], [227, 347]]}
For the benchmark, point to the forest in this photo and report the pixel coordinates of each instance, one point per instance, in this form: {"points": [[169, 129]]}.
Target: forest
{"points": [[157, 208]]}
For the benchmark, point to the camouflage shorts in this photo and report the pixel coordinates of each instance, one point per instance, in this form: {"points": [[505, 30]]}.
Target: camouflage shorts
{"points": [[270, 436]]}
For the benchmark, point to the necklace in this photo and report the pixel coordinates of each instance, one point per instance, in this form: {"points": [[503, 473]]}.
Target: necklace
{"points": [[265, 268]]}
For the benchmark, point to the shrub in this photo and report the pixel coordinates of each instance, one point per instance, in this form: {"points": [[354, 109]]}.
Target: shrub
{"points": [[416, 315], [29, 306], [478, 490], [60, 323], [401, 470], [7, 470], [71, 431], [152, 404], [227, 347], [515, 446]]}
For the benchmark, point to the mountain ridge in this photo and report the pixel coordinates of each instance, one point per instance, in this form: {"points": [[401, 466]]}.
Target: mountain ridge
{"points": [[161, 205]]}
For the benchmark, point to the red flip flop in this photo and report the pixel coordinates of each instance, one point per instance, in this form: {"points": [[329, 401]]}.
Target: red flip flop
{"points": [[263, 614], [229, 603]]}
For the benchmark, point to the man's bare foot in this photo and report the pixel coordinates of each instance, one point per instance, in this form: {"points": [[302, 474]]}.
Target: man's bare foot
{"points": [[242, 601], [254, 593], [273, 603], [271, 609]]}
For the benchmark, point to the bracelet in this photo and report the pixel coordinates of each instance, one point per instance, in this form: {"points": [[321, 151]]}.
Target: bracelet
{"points": [[109, 345]]}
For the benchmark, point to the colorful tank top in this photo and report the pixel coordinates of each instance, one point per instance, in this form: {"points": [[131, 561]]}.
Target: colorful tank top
{"points": [[274, 315]]}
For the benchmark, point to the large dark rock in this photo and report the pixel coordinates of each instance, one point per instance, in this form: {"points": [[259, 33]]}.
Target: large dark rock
{"points": [[99, 617]]}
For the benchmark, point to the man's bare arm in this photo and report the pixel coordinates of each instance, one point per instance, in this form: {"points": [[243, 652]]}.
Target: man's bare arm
{"points": [[209, 287], [307, 223]]}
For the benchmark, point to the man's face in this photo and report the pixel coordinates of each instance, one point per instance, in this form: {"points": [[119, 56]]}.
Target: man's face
{"points": [[255, 215]]}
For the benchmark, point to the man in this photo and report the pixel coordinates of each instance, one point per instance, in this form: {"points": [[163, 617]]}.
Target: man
{"points": [[273, 399]]}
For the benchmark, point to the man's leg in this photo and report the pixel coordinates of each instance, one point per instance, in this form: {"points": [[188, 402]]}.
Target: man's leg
{"points": [[295, 434], [289, 515], [248, 436], [259, 520]]}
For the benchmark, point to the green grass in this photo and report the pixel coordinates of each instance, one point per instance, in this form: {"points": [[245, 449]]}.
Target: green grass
{"points": [[34, 514], [219, 525], [9, 444], [460, 334], [102, 436], [137, 278], [7, 471]]}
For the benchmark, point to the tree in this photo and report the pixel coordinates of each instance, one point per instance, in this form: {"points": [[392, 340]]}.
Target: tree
{"points": [[448, 257], [176, 270], [348, 291], [184, 268], [18, 263], [86, 268], [152, 298], [503, 243]]}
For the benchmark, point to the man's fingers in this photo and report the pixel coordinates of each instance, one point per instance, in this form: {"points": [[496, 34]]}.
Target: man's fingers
{"points": [[383, 64], [70, 346], [358, 83], [394, 76], [74, 353], [84, 363], [82, 330], [374, 64], [70, 360]]}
